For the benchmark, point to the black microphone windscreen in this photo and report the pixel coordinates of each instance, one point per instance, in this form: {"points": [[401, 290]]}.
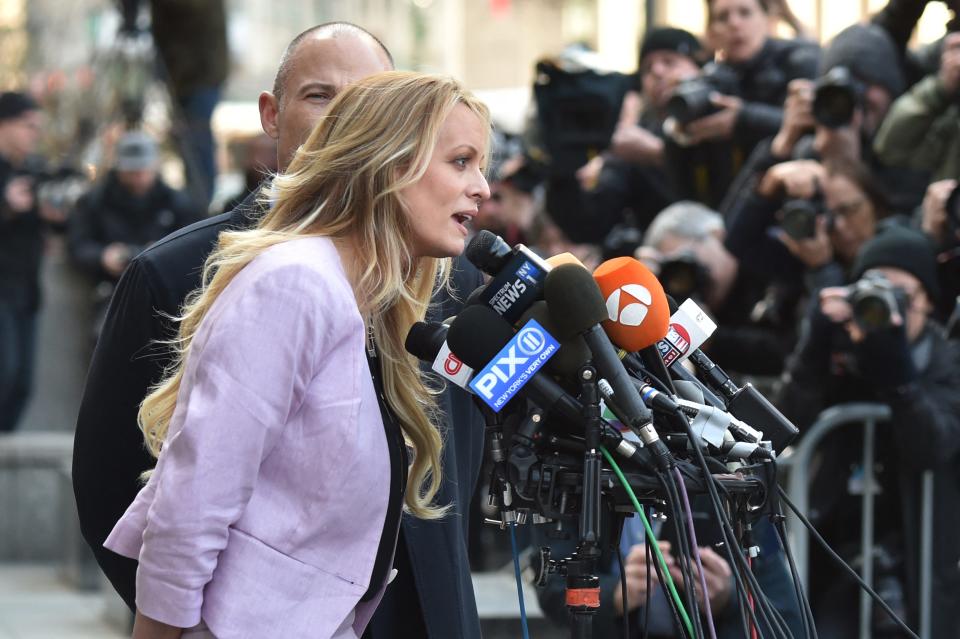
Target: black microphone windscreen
{"points": [[488, 252], [672, 303], [573, 352], [477, 335], [574, 300], [474, 297], [425, 339]]}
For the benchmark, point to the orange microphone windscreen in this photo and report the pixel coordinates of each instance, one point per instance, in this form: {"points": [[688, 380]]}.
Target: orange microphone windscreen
{"points": [[563, 258], [637, 308]]}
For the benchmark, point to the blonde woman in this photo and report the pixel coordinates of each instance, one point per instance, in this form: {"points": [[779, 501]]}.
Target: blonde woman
{"points": [[274, 506]]}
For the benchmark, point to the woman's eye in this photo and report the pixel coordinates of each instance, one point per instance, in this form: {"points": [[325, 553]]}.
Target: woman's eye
{"points": [[461, 162]]}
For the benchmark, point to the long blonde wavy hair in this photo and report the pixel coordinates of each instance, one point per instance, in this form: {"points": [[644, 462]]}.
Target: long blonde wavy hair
{"points": [[376, 138]]}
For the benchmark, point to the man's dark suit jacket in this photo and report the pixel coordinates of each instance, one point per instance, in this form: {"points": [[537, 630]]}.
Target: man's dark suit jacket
{"points": [[109, 453]]}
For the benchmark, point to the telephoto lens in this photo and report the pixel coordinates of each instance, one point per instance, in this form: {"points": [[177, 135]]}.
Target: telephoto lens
{"points": [[835, 96]]}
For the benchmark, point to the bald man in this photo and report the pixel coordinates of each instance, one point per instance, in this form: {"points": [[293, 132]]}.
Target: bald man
{"points": [[432, 594]]}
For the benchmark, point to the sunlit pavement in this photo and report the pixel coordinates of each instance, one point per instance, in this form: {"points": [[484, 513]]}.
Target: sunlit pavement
{"points": [[36, 604]]}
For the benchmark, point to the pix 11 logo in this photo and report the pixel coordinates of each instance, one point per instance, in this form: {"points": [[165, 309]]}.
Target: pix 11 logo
{"points": [[516, 363]]}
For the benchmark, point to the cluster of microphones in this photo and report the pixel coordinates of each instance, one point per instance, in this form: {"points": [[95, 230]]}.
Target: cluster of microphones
{"points": [[529, 330], [567, 364]]}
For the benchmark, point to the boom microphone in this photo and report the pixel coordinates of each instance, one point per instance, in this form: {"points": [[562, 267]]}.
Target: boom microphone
{"points": [[427, 341], [638, 313], [637, 310], [577, 307], [746, 403], [478, 335]]}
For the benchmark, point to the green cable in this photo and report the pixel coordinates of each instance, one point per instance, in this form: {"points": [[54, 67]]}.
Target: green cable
{"points": [[652, 540]]}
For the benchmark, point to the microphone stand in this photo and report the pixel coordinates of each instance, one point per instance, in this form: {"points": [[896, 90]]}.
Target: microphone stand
{"points": [[501, 490], [583, 582]]}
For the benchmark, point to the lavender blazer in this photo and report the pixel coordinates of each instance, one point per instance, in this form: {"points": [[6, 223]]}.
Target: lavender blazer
{"points": [[266, 508]]}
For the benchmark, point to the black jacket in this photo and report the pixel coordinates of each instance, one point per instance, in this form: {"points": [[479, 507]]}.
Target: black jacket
{"points": [[763, 84], [924, 434], [21, 248], [110, 213], [624, 191], [109, 454]]}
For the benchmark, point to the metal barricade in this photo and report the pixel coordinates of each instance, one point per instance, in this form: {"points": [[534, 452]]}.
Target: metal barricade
{"points": [[798, 485]]}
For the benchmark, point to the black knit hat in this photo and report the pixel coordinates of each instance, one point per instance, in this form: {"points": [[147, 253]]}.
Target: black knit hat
{"points": [[905, 249], [670, 39], [869, 53], [14, 104]]}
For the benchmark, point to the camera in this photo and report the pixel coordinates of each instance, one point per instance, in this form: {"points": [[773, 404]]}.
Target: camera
{"points": [[683, 276], [875, 301], [691, 99], [835, 96], [798, 216], [577, 112]]}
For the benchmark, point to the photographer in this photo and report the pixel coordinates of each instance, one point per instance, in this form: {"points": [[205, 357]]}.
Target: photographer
{"points": [[940, 221], [923, 128], [21, 249], [837, 116], [628, 182], [875, 341], [684, 247], [759, 68], [131, 208], [805, 223], [769, 568]]}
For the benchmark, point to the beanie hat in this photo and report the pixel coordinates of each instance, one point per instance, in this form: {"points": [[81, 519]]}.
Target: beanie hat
{"points": [[870, 54], [13, 104], [136, 151], [905, 249], [670, 39]]}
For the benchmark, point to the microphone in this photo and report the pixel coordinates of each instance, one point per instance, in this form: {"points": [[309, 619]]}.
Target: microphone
{"points": [[639, 317], [638, 314], [746, 403], [637, 310], [517, 274], [427, 341], [478, 336], [577, 307], [573, 353]]}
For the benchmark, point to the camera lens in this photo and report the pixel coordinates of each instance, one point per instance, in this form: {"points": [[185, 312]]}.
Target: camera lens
{"points": [[680, 278], [833, 106], [835, 96], [798, 219], [872, 312], [690, 101]]}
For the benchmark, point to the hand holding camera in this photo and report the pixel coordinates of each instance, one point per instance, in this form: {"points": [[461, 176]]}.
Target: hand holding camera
{"points": [[804, 231], [872, 311], [797, 117], [798, 179], [935, 209], [18, 195], [718, 125]]}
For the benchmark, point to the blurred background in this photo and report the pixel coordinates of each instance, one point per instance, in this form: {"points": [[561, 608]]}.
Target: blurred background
{"points": [[95, 74]]}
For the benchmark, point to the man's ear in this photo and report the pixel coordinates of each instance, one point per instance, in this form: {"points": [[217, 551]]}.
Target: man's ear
{"points": [[269, 111]]}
